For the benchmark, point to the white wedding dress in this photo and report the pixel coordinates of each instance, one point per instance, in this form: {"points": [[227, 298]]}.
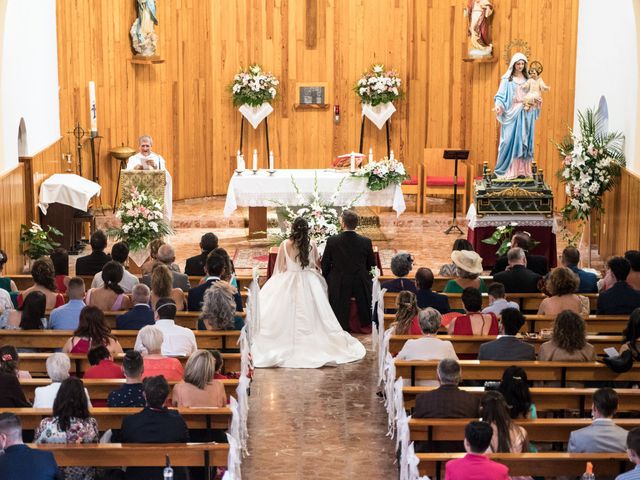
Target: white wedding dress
{"points": [[298, 328]]}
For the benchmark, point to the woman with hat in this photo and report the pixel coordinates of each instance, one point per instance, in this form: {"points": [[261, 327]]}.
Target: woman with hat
{"points": [[468, 269]]}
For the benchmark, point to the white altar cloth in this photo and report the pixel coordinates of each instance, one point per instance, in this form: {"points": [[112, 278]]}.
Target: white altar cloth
{"points": [[523, 220], [68, 189], [263, 190]]}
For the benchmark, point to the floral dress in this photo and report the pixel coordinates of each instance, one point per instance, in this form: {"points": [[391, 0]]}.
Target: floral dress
{"points": [[80, 431]]}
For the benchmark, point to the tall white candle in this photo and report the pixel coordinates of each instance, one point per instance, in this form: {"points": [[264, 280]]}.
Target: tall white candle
{"points": [[255, 160], [271, 160], [391, 157], [93, 114], [239, 162], [353, 162], [370, 154]]}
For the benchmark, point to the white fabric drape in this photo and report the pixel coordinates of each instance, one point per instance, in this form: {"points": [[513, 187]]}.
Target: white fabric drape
{"points": [[378, 114], [255, 115]]}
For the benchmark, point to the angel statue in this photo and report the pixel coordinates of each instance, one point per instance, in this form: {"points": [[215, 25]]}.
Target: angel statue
{"points": [[478, 13], [143, 37]]}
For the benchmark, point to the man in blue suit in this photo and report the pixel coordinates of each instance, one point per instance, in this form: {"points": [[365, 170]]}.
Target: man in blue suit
{"points": [[215, 268], [141, 314], [588, 280], [621, 298], [19, 462]]}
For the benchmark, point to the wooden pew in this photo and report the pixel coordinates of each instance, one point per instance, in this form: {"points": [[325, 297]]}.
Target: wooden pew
{"points": [[546, 464], [196, 418], [548, 398], [99, 389], [35, 363], [561, 372], [470, 344]]}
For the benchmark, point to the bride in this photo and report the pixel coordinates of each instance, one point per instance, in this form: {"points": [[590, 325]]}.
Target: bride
{"points": [[298, 328]]}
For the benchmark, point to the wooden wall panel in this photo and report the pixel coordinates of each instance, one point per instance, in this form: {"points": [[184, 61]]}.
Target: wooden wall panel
{"points": [[620, 224], [12, 214], [184, 102]]}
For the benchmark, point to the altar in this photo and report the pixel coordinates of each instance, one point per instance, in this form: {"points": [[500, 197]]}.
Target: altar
{"points": [[337, 187]]}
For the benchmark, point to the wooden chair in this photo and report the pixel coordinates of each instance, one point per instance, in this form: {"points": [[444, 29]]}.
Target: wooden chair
{"points": [[438, 175], [415, 186]]}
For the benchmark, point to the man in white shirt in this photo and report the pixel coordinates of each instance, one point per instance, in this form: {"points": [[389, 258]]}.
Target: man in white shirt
{"points": [[119, 253], [145, 159], [178, 341]]}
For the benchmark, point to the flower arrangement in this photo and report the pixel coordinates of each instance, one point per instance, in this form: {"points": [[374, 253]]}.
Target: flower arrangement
{"points": [[383, 173], [38, 240], [142, 220], [591, 164], [502, 236], [377, 86], [253, 87]]}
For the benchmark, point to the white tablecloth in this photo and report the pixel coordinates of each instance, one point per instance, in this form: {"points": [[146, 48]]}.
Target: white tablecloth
{"points": [[68, 189], [531, 220], [263, 190]]}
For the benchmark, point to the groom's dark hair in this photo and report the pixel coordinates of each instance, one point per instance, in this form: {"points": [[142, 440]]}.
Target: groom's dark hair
{"points": [[350, 219]]}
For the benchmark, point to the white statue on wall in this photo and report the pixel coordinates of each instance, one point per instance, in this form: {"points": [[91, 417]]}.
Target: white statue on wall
{"points": [[479, 12], [143, 37]]}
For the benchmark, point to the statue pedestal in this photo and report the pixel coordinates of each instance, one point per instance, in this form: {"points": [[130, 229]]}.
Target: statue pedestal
{"points": [[142, 60]]}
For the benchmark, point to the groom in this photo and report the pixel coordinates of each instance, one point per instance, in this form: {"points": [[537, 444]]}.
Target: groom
{"points": [[346, 263]]}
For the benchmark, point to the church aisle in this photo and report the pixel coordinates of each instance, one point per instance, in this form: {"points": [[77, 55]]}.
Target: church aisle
{"points": [[318, 423]]}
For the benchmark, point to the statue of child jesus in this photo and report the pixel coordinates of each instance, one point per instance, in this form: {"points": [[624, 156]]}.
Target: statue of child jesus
{"points": [[534, 87]]}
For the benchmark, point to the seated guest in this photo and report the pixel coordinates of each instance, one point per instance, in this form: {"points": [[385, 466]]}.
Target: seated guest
{"points": [[229, 274], [507, 347], [588, 280], [401, 265], [154, 424], [633, 452], [60, 260], [93, 263], [131, 393], [6, 283], [71, 423], [219, 365], [31, 315], [149, 344], [18, 461], [469, 268], [178, 341], [429, 347], [215, 267], [406, 315], [119, 254], [562, 285], [631, 335], [475, 465], [535, 263], [474, 322], [518, 278], [67, 316], [6, 304], [58, 365], [633, 279], [161, 287], [44, 281], [199, 388], [424, 295], [110, 296], [102, 364], [603, 435], [147, 266], [621, 298], [497, 300], [92, 331], [167, 256], [141, 314], [10, 362], [219, 308], [568, 342], [514, 387], [195, 266], [507, 436], [450, 269]]}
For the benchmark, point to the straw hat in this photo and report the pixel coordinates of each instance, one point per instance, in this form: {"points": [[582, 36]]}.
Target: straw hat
{"points": [[467, 260]]}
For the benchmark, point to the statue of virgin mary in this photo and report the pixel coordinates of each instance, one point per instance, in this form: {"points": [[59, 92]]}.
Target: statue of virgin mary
{"points": [[143, 37], [515, 152]]}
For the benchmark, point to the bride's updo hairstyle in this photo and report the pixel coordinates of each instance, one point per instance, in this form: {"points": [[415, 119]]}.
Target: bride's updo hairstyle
{"points": [[300, 236]]}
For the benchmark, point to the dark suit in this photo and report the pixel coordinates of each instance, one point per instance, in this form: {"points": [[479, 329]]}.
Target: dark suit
{"points": [[180, 280], [506, 349], [196, 296], [518, 279], [20, 462], [535, 263], [92, 263], [153, 426], [588, 280], [346, 263], [621, 299], [427, 298], [398, 285], [136, 318], [195, 265]]}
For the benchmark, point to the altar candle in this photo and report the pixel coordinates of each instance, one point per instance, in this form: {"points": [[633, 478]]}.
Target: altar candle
{"points": [[353, 162], [239, 162], [255, 160], [370, 155], [271, 160], [92, 107], [391, 157]]}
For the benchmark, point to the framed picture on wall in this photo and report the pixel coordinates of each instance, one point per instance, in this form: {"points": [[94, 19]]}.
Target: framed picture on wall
{"points": [[311, 95]]}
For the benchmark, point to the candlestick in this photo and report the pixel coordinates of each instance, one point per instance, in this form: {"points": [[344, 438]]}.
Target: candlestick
{"points": [[352, 163], [370, 154], [93, 114], [255, 160], [271, 161]]}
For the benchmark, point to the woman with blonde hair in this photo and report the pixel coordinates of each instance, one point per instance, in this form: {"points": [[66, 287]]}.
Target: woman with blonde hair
{"points": [[162, 287], [407, 322], [199, 388], [149, 344], [562, 286]]}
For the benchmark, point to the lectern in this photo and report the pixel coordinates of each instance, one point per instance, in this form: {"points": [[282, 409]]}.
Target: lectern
{"points": [[455, 155]]}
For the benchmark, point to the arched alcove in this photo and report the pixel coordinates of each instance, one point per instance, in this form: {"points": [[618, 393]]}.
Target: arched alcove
{"points": [[22, 139]]}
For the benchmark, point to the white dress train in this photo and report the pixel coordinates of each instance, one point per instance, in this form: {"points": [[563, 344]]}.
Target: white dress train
{"points": [[298, 328]]}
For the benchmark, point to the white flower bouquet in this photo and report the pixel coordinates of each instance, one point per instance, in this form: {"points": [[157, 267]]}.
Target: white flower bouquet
{"points": [[383, 173], [253, 87], [591, 164], [141, 220], [377, 86]]}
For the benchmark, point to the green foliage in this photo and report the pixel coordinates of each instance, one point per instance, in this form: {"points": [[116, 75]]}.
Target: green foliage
{"points": [[38, 241]]}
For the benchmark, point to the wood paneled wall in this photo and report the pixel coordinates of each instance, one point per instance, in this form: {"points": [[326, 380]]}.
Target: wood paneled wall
{"points": [[620, 224], [184, 102], [12, 214]]}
